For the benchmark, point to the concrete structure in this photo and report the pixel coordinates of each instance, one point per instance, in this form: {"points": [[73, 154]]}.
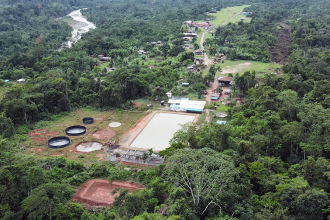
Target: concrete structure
{"points": [[136, 157], [186, 105]]}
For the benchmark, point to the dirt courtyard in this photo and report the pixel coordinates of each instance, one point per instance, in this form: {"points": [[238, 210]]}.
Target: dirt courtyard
{"points": [[97, 192]]}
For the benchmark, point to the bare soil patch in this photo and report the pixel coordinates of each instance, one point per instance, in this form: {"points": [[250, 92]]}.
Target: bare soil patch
{"points": [[104, 134], [280, 53], [41, 135], [97, 192]]}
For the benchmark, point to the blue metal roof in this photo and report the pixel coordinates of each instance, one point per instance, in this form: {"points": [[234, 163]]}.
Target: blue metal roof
{"points": [[184, 98], [174, 106], [185, 84], [193, 110], [221, 122], [7, 80]]}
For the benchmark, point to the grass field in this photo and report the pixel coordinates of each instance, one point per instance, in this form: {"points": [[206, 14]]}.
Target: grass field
{"points": [[223, 15], [240, 66], [102, 120], [68, 20]]}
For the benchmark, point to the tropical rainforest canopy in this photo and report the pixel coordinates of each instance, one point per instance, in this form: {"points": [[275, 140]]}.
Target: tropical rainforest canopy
{"points": [[269, 161]]}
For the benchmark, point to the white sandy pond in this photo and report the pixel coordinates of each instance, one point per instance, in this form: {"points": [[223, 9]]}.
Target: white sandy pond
{"points": [[160, 130]]}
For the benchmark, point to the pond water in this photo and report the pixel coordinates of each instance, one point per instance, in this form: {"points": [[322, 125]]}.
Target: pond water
{"points": [[160, 130], [58, 143]]}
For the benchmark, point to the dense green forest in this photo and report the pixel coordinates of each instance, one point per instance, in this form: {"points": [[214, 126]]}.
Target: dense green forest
{"points": [[270, 161]]}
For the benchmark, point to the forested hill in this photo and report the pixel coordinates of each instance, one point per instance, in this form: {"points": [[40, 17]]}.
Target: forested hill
{"points": [[270, 160]]}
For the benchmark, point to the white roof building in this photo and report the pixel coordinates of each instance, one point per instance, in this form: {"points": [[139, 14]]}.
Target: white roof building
{"points": [[186, 105]]}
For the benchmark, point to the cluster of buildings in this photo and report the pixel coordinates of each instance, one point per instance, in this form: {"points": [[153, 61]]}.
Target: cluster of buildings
{"points": [[198, 24]]}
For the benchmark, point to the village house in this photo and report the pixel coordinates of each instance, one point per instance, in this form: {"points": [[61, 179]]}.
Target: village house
{"points": [[198, 52], [242, 18], [191, 46], [198, 61], [189, 34], [225, 81], [186, 38], [187, 22], [191, 68], [106, 59]]}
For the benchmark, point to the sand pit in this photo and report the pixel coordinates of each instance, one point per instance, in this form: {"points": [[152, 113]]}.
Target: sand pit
{"points": [[86, 147], [98, 192], [104, 134]]}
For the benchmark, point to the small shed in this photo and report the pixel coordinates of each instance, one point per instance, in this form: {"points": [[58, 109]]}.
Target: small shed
{"points": [[186, 84], [21, 80], [198, 52], [6, 80], [107, 59], [221, 122], [242, 18], [169, 95]]}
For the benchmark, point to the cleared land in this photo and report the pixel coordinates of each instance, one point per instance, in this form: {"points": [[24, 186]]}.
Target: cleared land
{"points": [[223, 15], [37, 140], [97, 192], [240, 66]]}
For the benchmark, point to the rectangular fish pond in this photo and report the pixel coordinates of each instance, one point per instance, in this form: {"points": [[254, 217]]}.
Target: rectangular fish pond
{"points": [[160, 130]]}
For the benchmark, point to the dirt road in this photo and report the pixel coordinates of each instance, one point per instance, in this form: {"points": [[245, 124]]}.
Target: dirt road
{"points": [[208, 61], [214, 86]]}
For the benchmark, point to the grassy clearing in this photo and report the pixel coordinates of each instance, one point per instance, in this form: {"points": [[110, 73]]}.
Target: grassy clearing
{"points": [[102, 119], [240, 66], [238, 18], [223, 15], [69, 20]]}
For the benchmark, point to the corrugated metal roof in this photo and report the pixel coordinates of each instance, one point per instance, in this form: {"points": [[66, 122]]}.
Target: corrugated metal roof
{"points": [[221, 122]]}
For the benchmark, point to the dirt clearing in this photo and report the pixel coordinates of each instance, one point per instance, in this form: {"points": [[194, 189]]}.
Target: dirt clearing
{"points": [[97, 192], [280, 53]]}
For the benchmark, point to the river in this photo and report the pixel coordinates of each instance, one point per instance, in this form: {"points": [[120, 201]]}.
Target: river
{"points": [[80, 26]]}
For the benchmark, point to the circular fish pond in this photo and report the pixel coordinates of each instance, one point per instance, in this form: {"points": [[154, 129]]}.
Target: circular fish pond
{"points": [[88, 120], [58, 142], [114, 124], [89, 146], [75, 130]]}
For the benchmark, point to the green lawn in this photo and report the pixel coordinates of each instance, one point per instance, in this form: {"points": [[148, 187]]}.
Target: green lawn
{"points": [[68, 20], [223, 15], [240, 66]]}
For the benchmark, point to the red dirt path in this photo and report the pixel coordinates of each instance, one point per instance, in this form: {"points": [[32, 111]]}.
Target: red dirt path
{"points": [[97, 192], [104, 134]]}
